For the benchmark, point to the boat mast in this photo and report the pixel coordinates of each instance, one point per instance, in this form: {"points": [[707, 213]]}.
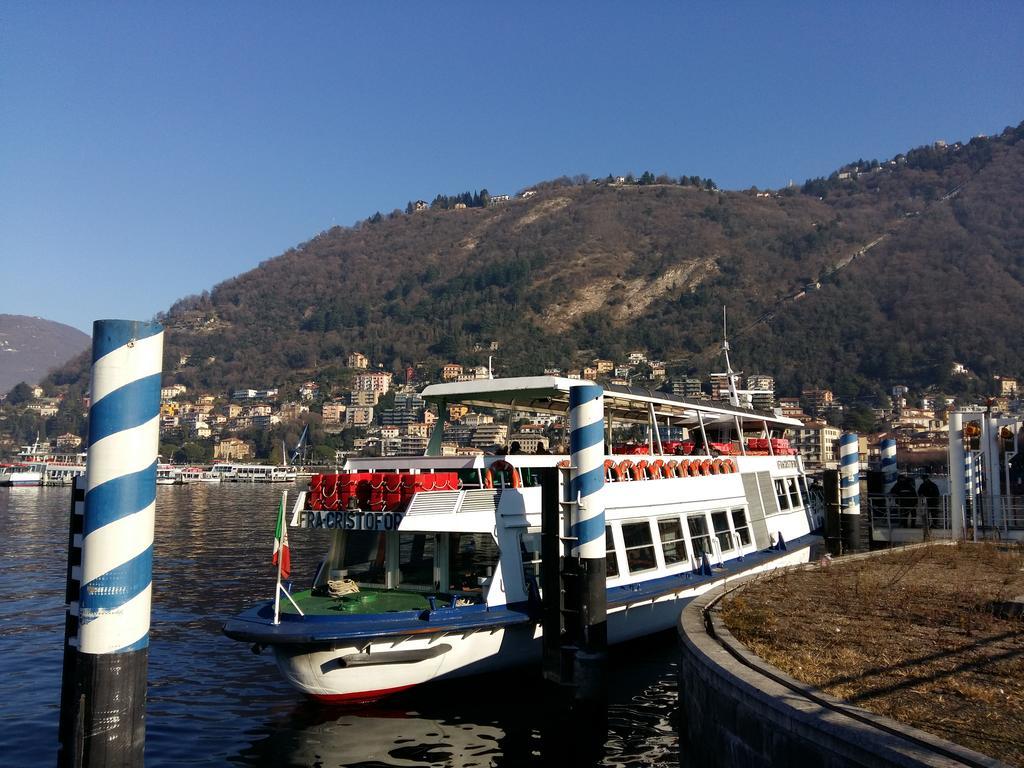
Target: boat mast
{"points": [[734, 395]]}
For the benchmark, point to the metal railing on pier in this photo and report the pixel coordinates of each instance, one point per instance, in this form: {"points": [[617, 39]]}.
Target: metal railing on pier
{"points": [[1000, 516]]}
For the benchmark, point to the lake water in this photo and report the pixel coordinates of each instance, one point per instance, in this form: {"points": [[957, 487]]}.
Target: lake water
{"points": [[212, 702]]}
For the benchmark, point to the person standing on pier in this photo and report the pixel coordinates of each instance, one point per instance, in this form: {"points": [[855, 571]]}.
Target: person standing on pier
{"points": [[906, 500], [929, 491]]}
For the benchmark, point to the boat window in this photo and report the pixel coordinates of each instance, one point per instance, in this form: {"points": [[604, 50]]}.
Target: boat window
{"points": [[529, 550], [416, 556], [699, 537], [802, 485], [794, 494], [780, 493], [739, 522], [673, 543], [639, 547], [471, 560], [469, 478], [611, 558], [362, 558], [721, 522]]}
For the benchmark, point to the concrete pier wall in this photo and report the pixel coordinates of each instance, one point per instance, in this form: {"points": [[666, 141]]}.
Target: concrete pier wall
{"points": [[737, 710]]}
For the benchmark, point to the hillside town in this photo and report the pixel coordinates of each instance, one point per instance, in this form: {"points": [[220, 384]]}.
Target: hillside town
{"points": [[377, 413]]}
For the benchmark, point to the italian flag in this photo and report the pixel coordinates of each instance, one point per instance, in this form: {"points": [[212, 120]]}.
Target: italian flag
{"points": [[281, 544]]}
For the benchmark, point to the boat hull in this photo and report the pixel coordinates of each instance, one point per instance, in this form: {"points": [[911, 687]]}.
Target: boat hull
{"points": [[369, 669], [365, 671]]}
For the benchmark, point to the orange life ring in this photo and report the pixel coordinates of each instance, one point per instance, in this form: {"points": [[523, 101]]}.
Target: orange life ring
{"points": [[693, 467], [731, 463], [704, 468], [612, 471], [657, 469], [502, 466], [641, 470], [671, 468], [625, 469], [564, 464], [716, 467]]}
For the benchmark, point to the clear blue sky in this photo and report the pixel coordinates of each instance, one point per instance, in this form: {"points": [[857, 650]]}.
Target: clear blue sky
{"points": [[151, 150]]}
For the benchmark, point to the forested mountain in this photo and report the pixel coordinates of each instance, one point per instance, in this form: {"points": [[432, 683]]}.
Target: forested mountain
{"points": [[31, 346], [912, 263]]}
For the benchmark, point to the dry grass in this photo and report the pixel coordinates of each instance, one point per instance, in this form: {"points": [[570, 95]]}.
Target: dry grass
{"points": [[910, 635]]}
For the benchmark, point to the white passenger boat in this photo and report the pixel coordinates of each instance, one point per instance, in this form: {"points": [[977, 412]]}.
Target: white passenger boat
{"points": [[432, 566], [191, 475], [53, 467], [260, 473], [167, 474], [20, 475]]}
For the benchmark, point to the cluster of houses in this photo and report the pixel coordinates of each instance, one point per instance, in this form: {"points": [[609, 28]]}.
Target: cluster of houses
{"points": [[392, 418]]}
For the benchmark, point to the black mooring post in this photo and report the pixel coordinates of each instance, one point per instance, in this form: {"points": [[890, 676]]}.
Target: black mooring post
{"points": [[591, 659], [573, 607], [551, 576], [833, 529], [875, 507], [67, 755]]}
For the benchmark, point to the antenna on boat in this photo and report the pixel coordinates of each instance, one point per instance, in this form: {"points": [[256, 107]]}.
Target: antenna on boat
{"points": [[734, 395]]}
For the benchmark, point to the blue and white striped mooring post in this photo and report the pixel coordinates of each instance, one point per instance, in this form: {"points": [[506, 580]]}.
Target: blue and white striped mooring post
{"points": [[972, 475], [849, 491], [586, 483], [889, 469], [117, 545]]}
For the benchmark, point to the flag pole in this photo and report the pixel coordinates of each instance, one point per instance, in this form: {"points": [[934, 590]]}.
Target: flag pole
{"points": [[280, 559]]}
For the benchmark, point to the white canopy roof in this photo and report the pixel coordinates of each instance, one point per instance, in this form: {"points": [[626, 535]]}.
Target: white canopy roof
{"points": [[550, 394]]}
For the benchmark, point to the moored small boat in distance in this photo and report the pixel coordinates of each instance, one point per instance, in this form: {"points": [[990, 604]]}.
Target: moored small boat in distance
{"points": [[168, 474], [20, 475], [433, 563]]}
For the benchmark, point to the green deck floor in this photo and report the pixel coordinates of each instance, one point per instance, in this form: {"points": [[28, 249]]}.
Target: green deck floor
{"points": [[364, 601]]}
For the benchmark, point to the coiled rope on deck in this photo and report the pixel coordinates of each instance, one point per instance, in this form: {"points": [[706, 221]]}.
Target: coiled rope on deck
{"points": [[341, 587]]}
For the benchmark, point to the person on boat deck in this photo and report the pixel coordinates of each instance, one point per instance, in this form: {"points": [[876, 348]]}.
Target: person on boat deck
{"points": [[515, 448], [541, 449], [699, 446], [929, 491], [906, 500]]}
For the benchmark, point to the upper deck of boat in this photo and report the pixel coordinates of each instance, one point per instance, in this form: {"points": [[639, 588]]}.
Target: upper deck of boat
{"points": [[624, 404]]}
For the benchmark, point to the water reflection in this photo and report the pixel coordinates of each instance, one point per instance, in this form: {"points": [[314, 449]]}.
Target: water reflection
{"points": [[494, 720], [211, 702], [315, 736]]}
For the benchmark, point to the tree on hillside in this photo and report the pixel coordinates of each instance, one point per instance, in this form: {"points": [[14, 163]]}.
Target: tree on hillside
{"points": [[21, 393]]}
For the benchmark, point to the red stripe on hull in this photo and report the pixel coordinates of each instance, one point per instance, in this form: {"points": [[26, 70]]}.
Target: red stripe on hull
{"points": [[360, 697]]}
